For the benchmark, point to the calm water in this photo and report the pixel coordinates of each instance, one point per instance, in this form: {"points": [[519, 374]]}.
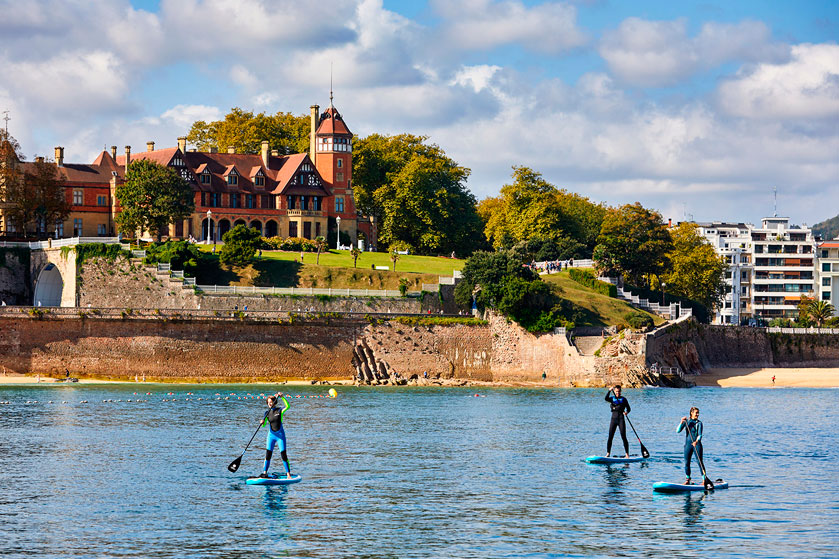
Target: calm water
{"points": [[411, 473]]}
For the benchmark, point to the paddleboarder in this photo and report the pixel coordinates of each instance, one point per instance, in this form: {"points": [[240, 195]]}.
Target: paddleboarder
{"points": [[620, 407], [276, 433], [693, 439]]}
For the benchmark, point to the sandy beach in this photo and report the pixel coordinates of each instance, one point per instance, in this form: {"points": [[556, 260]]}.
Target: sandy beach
{"points": [[762, 378]]}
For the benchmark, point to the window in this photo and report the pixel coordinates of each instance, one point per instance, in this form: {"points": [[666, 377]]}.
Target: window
{"points": [[234, 201], [101, 201], [259, 181], [100, 230], [824, 253], [290, 202], [825, 295], [59, 229], [78, 197], [340, 163], [339, 177], [316, 203], [77, 227], [177, 162], [304, 203], [215, 199], [267, 201], [249, 201], [10, 227], [232, 179], [826, 282], [339, 204], [302, 179], [825, 267], [205, 178]]}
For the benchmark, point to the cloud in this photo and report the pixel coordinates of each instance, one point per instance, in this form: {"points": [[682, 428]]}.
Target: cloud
{"points": [[805, 87], [660, 53], [486, 24]]}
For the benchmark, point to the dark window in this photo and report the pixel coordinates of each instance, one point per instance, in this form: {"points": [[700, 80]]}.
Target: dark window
{"points": [[249, 201], [234, 201], [205, 178], [290, 200]]}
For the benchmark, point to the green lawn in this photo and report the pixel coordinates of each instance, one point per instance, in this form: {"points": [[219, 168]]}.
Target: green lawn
{"points": [[601, 310], [341, 258]]}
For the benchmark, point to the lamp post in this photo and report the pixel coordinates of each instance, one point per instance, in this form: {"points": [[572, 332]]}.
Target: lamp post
{"points": [[209, 230], [338, 241], [663, 286]]}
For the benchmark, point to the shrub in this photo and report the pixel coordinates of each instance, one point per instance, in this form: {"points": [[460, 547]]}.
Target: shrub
{"points": [[240, 246], [638, 321], [584, 277], [403, 286], [180, 254]]}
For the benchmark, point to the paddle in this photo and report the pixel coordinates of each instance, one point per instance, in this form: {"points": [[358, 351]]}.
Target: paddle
{"points": [[235, 464], [709, 485], [644, 452]]}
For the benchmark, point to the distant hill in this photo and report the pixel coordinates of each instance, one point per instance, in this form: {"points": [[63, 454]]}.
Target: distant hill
{"points": [[828, 229]]}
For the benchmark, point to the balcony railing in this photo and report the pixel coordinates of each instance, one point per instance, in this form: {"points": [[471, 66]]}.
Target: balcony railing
{"points": [[304, 213]]}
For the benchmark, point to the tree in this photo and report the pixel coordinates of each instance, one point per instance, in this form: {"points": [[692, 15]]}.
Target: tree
{"points": [[416, 193], [483, 276], [320, 243], [152, 197], [634, 241], [355, 252], [240, 245], [821, 312], [695, 270], [33, 193], [394, 256], [532, 208], [246, 131]]}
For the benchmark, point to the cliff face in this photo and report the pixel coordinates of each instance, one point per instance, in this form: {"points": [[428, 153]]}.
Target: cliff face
{"points": [[695, 347]]}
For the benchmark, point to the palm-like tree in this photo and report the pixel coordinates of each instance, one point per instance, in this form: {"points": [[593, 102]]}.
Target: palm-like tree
{"points": [[320, 242], [394, 256], [355, 252], [820, 312]]}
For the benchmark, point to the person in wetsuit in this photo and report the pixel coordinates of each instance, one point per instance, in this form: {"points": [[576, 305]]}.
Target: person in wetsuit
{"points": [[620, 407], [693, 439], [276, 433]]}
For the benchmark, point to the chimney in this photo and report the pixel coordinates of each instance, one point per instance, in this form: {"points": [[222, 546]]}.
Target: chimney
{"points": [[39, 159], [231, 149], [59, 156], [182, 143], [265, 153], [149, 146], [669, 223], [213, 149], [314, 129], [127, 157], [275, 152], [114, 152]]}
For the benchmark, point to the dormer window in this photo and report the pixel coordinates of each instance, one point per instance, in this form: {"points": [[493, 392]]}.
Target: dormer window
{"points": [[259, 180], [233, 179], [177, 162], [205, 177]]}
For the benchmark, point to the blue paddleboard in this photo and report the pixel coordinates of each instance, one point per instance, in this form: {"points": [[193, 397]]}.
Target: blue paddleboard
{"points": [[273, 480], [665, 487], [613, 460]]}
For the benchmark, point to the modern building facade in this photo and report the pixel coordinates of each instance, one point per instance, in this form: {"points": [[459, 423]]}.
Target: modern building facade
{"points": [[298, 195], [733, 241], [827, 273]]}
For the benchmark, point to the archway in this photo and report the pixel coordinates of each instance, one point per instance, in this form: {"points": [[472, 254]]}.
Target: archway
{"points": [[257, 225], [48, 288], [207, 234], [271, 228], [239, 222], [223, 227]]}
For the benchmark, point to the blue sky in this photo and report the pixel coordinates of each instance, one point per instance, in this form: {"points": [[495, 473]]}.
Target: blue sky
{"points": [[691, 108]]}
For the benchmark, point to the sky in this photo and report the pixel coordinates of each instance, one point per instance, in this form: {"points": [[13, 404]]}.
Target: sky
{"points": [[696, 109]]}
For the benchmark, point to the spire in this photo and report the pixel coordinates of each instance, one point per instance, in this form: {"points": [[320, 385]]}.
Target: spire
{"points": [[330, 85], [7, 118]]}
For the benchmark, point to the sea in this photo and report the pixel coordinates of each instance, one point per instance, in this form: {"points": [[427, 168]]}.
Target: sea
{"points": [[140, 470]]}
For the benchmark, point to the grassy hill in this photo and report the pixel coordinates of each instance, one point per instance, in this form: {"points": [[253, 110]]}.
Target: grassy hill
{"points": [[601, 310]]}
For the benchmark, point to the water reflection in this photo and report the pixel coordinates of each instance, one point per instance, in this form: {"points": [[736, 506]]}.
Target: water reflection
{"points": [[693, 506], [274, 500], [616, 476]]}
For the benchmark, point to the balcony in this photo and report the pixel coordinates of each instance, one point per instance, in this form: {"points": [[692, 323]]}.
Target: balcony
{"points": [[304, 213]]}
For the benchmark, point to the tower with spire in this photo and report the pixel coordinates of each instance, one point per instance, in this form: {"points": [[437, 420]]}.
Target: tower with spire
{"points": [[330, 148]]}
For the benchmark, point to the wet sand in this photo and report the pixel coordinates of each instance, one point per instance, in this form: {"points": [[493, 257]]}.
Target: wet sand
{"points": [[762, 378]]}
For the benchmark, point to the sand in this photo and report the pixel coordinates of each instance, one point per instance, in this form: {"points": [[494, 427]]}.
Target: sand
{"points": [[762, 378]]}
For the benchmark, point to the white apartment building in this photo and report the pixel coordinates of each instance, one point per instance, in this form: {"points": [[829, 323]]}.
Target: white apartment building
{"points": [[770, 268], [827, 273]]}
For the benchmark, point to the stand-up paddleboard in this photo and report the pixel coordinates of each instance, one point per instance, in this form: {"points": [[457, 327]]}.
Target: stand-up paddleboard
{"points": [[665, 487], [613, 460], [273, 480]]}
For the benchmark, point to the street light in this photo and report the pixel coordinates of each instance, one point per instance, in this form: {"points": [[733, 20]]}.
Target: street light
{"points": [[338, 241], [209, 217], [663, 286]]}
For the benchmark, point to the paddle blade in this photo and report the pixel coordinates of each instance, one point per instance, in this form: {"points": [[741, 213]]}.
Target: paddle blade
{"points": [[644, 452], [235, 465], [709, 485]]}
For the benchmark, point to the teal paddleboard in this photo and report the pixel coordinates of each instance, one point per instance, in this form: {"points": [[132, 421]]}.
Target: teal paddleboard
{"points": [[273, 480], [613, 460], [665, 487]]}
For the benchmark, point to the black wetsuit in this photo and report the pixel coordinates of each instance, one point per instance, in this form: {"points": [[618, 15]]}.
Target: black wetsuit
{"points": [[619, 406]]}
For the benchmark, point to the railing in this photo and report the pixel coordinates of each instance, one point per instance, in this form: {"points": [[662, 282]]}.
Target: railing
{"points": [[189, 282], [551, 266], [304, 213], [176, 274], [301, 291], [779, 330], [164, 267], [55, 243], [138, 253]]}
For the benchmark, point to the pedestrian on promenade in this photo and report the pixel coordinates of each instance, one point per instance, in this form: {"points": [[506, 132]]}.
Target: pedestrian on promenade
{"points": [[620, 407], [276, 433], [693, 439], [773, 380]]}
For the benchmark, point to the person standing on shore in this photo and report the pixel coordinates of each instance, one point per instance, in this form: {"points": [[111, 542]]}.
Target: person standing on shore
{"points": [[276, 433], [620, 407], [693, 439]]}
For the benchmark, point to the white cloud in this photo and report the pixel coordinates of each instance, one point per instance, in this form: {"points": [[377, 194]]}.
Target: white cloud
{"points": [[486, 24], [805, 87], [660, 53], [183, 116]]}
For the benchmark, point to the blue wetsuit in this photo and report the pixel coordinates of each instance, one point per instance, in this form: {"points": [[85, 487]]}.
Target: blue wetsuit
{"points": [[276, 435], [694, 428], [619, 404]]}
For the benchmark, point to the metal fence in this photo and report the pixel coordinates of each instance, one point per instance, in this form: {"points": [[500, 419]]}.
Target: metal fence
{"points": [[301, 291], [779, 330], [56, 243]]}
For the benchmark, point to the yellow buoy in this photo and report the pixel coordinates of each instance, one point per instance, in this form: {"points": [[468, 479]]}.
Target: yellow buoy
{"points": [[333, 393]]}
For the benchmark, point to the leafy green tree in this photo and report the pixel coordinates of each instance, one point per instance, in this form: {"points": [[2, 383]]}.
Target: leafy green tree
{"points": [[416, 193], [33, 193], [246, 131], [634, 241], [240, 245], [484, 274], [532, 208], [152, 197], [820, 312], [695, 271]]}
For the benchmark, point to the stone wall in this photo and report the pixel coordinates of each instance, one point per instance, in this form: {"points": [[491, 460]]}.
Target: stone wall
{"points": [[695, 347], [15, 280]]}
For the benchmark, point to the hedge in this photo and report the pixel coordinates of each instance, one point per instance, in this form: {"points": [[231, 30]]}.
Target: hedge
{"points": [[584, 277]]}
